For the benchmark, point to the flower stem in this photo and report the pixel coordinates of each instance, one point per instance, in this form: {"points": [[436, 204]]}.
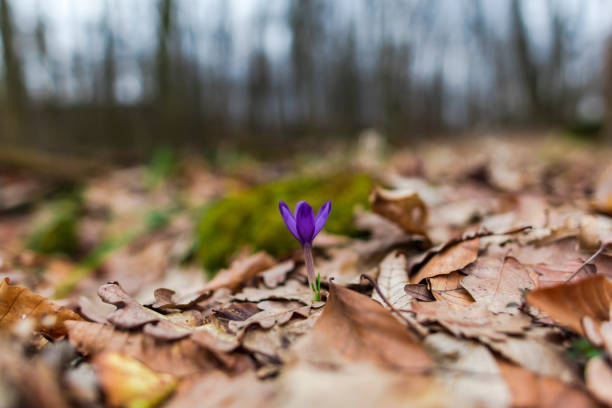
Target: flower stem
{"points": [[312, 281]]}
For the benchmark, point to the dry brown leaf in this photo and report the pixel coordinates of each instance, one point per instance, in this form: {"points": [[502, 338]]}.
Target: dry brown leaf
{"points": [[531, 390], [239, 272], [277, 274], [179, 358], [448, 289], [392, 279], [498, 283], [452, 258], [291, 290], [568, 303], [217, 390], [353, 327], [128, 382], [419, 292], [473, 321], [131, 315], [598, 378], [18, 304], [360, 385], [405, 208], [469, 370], [537, 352], [273, 312]]}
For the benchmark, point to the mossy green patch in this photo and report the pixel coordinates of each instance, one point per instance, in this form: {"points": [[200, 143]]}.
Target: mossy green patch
{"points": [[251, 218], [55, 228]]}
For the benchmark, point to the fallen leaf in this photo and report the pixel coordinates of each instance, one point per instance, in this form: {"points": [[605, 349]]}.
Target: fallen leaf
{"points": [[448, 289], [127, 382], [405, 208], [291, 290], [474, 321], [354, 327], [568, 303], [456, 356], [277, 274], [452, 258], [359, 385], [392, 280], [419, 292], [18, 303], [217, 390], [180, 358], [536, 351], [598, 378], [272, 313], [532, 390], [498, 283]]}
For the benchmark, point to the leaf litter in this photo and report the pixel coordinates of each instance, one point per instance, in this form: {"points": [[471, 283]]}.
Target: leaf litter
{"points": [[466, 285]]}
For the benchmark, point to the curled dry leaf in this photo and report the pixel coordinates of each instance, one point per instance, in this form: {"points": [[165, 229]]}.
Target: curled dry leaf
{"points": [[129, 383], [277, 274], [18, 303], [132, 315], [353, 327], [448, 289], [272, 313], [568, 303], [405, 208], [498, 283], [449, 259]]}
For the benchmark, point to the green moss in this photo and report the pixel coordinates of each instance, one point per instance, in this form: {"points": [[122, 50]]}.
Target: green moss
{"points": [[55, 228], [251, 218]]}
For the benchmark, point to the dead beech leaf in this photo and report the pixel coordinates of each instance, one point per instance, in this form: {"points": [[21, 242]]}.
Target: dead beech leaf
{"points": [[291, 290], [272, 313], [568, 303], [392, 279], [448, 289], [217, 390], [473, 321], [405, 208], [128, 382], [450, 259], [454, 354], [239, 272], [353, 327], [419, 292], [131, 315], [536, 351], [18, 303], [277, 274], [498, 283], [598, 378], [180, 358], [532, 390]]}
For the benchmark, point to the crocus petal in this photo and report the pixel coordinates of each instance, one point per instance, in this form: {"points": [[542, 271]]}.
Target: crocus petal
{"points": [[321, 217], [304, 220], [289, 219]]}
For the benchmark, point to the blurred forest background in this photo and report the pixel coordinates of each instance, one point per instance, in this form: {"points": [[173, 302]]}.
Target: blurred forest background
{"points": [[119, 78]]}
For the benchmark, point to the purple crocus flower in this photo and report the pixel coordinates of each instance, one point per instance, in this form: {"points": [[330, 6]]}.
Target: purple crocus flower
{"points": [[305, 226]]}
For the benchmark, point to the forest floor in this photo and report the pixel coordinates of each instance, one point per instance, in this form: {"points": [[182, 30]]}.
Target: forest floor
{"points": [[471, 273]]}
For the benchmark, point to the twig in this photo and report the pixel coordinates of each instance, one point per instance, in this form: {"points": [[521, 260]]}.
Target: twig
{"points": [[384, 299], [591, 259]]}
